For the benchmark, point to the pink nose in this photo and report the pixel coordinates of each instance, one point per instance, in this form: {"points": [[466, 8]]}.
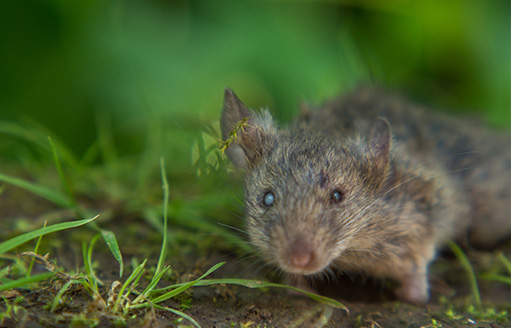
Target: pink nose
{"points": [[301, 255]]}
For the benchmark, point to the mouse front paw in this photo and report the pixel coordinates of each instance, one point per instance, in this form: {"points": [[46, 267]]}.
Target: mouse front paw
{"points": [[413, 290]]}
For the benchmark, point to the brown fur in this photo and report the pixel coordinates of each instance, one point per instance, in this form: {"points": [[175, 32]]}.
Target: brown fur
{"points": [[405, 191]]}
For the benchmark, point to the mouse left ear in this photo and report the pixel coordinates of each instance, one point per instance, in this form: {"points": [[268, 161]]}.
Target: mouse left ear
{"points": [[378, 144], [254, 140]]}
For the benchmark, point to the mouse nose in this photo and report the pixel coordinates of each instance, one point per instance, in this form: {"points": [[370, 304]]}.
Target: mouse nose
{"points": [[301, 255]]}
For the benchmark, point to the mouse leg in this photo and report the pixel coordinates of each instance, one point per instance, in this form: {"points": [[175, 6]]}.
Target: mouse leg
{"points": [[414, 281], [413, 289]]}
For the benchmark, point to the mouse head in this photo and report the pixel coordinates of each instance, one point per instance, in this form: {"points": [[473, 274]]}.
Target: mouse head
{"points": [[308, 196]]}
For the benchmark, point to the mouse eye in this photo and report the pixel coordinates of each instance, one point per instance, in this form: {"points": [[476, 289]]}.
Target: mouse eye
{"points": [[337, 196], [268, 199]]}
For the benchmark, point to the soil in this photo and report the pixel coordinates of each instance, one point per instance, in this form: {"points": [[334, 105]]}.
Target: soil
{"points": [[370, 303]]}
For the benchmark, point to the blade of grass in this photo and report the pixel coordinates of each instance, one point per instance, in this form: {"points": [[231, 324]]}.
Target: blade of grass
{"points": [[61, 292], [260, 284], [135, 276], [159, 271], [21, 239], [105, 136], [165, 186], [465, 263], [505, 261], [36, 249], [201, 164], [153, 282], [65, 182], [87, 260], [67, 155], [53, 196], [496, 277], [26, 281], [177, 312], [181, 288], [111, 242]]}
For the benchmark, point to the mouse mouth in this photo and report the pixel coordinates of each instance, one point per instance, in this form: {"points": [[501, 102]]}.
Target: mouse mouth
{"points": [[311, 269]]}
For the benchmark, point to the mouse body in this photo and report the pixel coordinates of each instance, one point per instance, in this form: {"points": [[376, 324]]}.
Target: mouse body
{"points": [[369, 183]]}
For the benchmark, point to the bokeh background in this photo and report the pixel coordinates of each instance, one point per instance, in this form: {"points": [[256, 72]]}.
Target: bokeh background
{"points": [[157, 69]]}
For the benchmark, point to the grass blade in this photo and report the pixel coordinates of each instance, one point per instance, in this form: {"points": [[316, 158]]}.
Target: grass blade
{"points": [[179, 313], [135, 276], [261, 284], [496, 277], [25, 281], [505, 262], [465, 263], [87, 261], [21, 239], [185, 286], [62, 290], [52, 195], [35, 134], [111, 242], [153, 282], [158, 273], [64, 181], [36, 250], [165, 186]]}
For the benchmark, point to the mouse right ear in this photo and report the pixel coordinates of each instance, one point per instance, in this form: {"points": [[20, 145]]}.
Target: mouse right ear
{"points": [[254, 140]]}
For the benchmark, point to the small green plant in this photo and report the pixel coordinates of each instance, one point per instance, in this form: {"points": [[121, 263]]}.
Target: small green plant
{"points": [[11, 308], [469, 271], [499, 275]]}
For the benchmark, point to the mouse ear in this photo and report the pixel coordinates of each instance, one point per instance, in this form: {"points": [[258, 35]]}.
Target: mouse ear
{"points": [[379, 143], [253, 140]]}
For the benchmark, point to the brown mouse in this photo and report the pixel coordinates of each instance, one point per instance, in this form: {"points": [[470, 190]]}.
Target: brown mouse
{"points": [[369, 183]]}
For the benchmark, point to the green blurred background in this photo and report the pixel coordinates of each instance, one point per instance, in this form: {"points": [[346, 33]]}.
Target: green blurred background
{"points": [[80, 67]]}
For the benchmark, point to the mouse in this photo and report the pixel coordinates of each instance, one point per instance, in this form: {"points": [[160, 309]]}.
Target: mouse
{"points": [[368, 182]]}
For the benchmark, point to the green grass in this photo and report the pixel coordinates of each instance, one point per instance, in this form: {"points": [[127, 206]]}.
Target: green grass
{"points": [[120, 301]]}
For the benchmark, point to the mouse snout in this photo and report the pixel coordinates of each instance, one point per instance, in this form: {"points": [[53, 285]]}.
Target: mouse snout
{"points": [[301, 255]]}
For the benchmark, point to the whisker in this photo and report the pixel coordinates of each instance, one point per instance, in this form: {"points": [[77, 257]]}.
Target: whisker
{"points": [[232, 228]]}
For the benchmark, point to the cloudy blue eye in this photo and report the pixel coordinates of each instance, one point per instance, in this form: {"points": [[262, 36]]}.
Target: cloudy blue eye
{"points": [[268, 199], [337, 196]]}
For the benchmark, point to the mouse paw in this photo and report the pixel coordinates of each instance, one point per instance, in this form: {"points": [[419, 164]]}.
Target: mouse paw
{"points": [[413, 290]]}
